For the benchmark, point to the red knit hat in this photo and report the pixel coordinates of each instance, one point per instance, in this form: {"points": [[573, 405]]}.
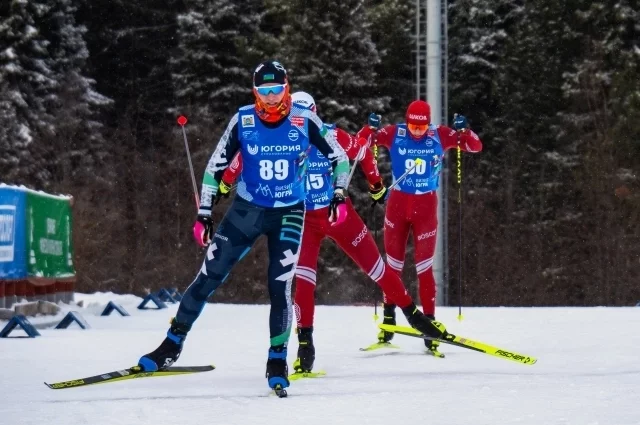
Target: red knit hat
{"points": [[419, 113]]}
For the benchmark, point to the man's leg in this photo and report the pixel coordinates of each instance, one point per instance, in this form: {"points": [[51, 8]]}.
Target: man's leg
{"points": [[315, 223], [314, 233], [424, 239], [283, 227], [356, 241], [354, 238], [396, 233], [237, 232], [425, 227]]}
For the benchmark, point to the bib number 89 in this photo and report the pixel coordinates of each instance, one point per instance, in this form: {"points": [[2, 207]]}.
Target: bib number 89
{"points": [[270, 169]]}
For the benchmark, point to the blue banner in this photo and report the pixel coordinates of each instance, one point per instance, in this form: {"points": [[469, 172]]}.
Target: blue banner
{"points": [[13, 238]]}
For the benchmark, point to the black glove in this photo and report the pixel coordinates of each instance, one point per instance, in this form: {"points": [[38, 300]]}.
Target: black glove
{"points": [[460, 123], [337, 207], [374, 121], [378, 193]]}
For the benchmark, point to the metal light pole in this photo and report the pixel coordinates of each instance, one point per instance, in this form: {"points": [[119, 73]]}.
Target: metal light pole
{"points": [[431, 80]]}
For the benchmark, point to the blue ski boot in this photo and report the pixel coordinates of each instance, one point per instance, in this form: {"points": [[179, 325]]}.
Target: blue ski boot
{"points": [[168, 352], [277, 371]]}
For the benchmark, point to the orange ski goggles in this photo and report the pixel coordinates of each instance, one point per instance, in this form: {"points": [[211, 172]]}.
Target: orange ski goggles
{"points": [[417, 129]]}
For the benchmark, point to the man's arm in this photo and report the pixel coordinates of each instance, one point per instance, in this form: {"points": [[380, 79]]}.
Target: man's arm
{"points": [[353, 147], [469, 141], [383, 137], [328, 145], [227, 147], [233, 171]]}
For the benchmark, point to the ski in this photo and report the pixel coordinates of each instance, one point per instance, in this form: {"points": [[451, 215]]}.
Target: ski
{"points": [[378, 346], [459, 341], [301, 375], [131, 373], [381, 345]]}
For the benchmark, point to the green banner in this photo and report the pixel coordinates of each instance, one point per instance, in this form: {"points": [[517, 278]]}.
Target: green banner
{"points": [[49, 236]]}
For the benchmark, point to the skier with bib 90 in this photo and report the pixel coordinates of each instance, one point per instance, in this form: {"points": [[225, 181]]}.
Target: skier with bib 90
{"points": [[273, 138], [352, 236], [412, 204]]}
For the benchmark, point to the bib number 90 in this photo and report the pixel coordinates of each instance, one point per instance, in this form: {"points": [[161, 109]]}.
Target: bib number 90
{"points": [[419, 169]]}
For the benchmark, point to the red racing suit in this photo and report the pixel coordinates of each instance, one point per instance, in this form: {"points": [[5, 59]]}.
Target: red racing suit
{"points": [[352, 236], [413, 203]]}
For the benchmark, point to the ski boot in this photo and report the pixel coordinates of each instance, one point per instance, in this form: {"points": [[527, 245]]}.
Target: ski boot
{"points": [[432, 345], [424, 324], [168, 352], [306, 351], [277, 371], [389, 318]]}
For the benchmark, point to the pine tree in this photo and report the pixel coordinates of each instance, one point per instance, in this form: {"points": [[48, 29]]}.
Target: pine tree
{"points": [[507, 79], [601, 139], [211, 71], [27, 85], [392, 28], [329, 53], [78, 140], [129, 59], [478, 30]]}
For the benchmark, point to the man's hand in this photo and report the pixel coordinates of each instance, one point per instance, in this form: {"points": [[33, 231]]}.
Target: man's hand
{"points": [[460, 123], [374, 121], [223, 191], [337, 208], [378, 193], [203, 227]]}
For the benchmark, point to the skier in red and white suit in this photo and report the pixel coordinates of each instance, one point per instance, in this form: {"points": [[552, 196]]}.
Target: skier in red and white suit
{"points": [[412, 204], [352, 236]]}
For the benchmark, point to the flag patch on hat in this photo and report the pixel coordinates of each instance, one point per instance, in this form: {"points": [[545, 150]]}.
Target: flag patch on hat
{"points": [[268, 77]]}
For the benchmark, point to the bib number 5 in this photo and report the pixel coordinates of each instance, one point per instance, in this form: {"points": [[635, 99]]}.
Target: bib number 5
{"points": [[315, 181]]}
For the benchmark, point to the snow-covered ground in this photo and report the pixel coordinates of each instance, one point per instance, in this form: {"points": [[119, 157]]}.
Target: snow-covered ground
{"points": [[588, 370]]}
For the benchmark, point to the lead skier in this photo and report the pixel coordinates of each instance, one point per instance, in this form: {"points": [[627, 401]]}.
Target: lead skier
{"points": [[273, 138]]}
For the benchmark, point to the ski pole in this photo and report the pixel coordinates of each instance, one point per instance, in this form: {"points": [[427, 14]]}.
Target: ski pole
{"points": [[182, 120], [459, 181], [363, 145], [417, 162], [375, 237]]}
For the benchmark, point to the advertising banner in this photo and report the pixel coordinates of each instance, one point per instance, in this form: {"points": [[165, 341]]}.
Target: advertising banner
{"points": [[13, 251], [49, 236]]}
